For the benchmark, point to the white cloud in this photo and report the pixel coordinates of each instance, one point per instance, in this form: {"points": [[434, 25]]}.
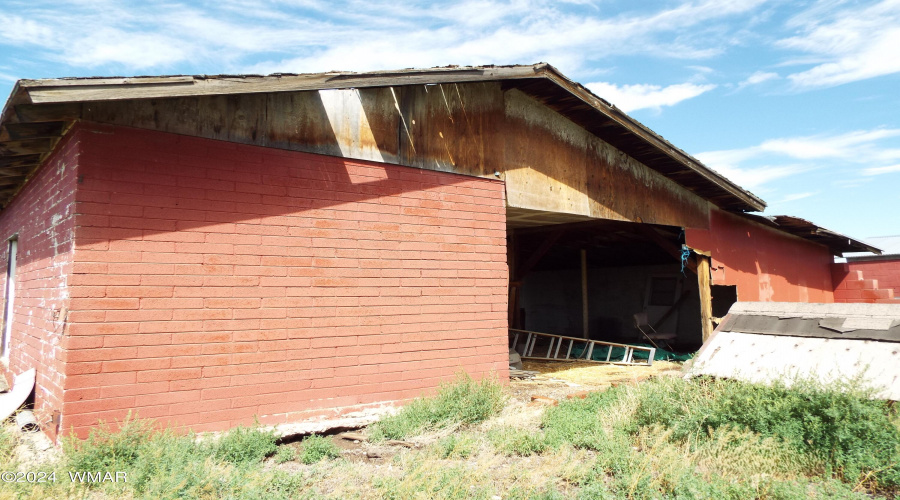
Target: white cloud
{"points": [[882, 170], [752, 177], [797, 196], [642, 96], [757, 78], [774, 159], [847, 145], [309, 35], [847, 44]]}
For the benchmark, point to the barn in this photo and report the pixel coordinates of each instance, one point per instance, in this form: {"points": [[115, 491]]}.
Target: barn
{"points": [[210, 251]]}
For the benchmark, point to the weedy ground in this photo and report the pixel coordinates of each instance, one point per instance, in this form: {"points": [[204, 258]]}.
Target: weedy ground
{"points": [[622, 435]]}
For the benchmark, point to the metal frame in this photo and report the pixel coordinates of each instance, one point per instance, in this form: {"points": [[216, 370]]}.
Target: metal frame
{"points": [[557, 342]]}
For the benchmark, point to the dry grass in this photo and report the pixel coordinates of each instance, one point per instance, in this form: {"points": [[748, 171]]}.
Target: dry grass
{"points": [[582, 372], [583, 448]]}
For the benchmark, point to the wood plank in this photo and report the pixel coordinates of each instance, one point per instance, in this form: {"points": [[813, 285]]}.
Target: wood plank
{"points": [[109, 89], [16, 172], [655, 141], [35, 130], [27, 147], [19, 161], [703, 280], [91, 82], [66, 111]]}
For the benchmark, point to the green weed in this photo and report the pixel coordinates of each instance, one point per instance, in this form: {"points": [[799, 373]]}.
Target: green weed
{"points": [[457, 446], [316, 448], [285, 454], [243, 445], [162, 464], [463, 402], [512, 441]]}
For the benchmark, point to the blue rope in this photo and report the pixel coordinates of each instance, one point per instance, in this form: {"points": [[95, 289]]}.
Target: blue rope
{"points": [[685, 255]]}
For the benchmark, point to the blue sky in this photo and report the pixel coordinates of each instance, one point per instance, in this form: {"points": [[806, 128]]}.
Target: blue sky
{"points": [[796, 101]]}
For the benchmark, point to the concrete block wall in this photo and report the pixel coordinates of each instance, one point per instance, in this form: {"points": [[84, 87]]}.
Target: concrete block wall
{"points": [[41, 217], [851, 285], [887, 272], [216, 283]]}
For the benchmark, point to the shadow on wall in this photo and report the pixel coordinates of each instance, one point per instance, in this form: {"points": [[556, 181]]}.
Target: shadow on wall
{"points": [[135, 184]]}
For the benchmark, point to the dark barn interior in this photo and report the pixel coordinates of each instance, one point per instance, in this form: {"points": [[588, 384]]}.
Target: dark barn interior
{"points": [[631, 273]]}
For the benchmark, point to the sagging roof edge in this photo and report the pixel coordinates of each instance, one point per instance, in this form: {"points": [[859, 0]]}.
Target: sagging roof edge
{"points": [[836, 242], [87, 89]]}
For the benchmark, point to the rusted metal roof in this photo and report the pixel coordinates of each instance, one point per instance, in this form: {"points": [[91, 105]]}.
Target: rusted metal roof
{"points": [[836, 242], [38, 112]]}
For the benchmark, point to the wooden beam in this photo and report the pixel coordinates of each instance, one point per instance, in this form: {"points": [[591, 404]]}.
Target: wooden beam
{"points": [[585, 318], [66, 111], [538, 254], [703, 280], [36, 130], [588, 225], [109, 89], [670, 247], [27, 147], [512, 305], [19, 161], [656, 142]]}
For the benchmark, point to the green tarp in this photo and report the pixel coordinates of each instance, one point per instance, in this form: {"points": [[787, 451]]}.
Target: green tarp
{"points": [[600, 352]]}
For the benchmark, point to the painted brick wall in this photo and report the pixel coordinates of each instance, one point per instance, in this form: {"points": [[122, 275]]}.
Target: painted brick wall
{"points": [[42, 217], [854, 283], [887, 272], [765, 264], [215, 282]]}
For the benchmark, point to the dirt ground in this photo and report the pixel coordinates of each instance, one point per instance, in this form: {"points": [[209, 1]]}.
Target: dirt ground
{"points": [[528, 399]]}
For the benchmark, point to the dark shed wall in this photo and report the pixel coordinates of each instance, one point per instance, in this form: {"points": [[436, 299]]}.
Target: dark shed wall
{"points": [[552, 302]]}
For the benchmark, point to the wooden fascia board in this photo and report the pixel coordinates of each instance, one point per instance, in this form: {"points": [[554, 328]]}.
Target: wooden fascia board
{"points": [[110, 89], [753, 202]]}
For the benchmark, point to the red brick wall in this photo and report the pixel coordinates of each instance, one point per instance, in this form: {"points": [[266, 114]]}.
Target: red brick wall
{"points": [[867, 283], [42, 216], [765, 264], [887, 272], [217, 282]]}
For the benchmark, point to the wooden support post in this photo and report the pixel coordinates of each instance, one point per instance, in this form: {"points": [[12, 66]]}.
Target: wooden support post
{"points": [[584, 292], [703, 280], [514, 286]]}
